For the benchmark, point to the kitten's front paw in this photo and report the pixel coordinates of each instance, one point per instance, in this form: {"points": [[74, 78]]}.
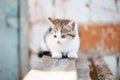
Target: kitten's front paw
{"points": [[57, 55], [72, 55]]}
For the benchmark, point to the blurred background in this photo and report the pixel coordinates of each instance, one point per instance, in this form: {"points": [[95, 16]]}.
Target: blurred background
{"points": [[99, 29]]}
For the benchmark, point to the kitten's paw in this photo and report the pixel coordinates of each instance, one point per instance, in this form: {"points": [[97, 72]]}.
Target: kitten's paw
{"points": [[72, 55], [57, 55]]}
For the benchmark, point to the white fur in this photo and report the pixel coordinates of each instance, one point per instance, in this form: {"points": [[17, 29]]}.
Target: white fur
{"points": [[66, 46]]}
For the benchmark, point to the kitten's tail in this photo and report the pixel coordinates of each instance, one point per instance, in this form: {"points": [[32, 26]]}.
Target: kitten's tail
{"points": [[42, 53]]}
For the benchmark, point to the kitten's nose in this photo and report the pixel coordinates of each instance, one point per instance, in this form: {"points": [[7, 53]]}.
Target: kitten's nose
{"points": [[58, 42]]}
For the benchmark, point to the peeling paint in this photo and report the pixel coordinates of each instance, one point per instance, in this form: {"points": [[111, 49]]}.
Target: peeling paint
{"points": [[102, 37]]}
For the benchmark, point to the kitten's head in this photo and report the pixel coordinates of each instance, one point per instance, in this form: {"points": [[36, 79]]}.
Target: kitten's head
{"points": [[62, 30]]}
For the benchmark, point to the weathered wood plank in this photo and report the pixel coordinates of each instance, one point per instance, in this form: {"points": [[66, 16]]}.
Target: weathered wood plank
{"points": [[103, 72], [83, 68], [118, 66], [49, 65], [53, 69], [24, 30], [118, 9], [106, 7]]}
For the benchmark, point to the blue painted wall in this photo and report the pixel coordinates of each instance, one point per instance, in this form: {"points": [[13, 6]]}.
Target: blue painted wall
{"points": [[9, 40]]}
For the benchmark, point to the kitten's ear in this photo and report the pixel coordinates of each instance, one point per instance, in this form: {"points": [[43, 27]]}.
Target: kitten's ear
{"points": [[51, 20], [71, 25]]}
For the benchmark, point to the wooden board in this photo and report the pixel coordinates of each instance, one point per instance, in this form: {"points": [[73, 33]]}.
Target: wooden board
{"points": [[53, 69], [24, 30], [102, 69], [83, 68]]}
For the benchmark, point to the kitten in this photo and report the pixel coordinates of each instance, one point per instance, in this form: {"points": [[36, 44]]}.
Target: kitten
{"points": [[60, 40]]}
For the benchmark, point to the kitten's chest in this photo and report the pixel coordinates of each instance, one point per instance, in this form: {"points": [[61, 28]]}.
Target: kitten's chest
{"points": [[65, 47]]}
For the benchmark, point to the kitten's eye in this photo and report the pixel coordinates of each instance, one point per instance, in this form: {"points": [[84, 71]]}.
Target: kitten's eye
{"points": [[63, 36], [55, 36]]}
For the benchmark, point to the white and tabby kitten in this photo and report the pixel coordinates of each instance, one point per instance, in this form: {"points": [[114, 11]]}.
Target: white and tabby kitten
{"points": [[61, 40]]}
